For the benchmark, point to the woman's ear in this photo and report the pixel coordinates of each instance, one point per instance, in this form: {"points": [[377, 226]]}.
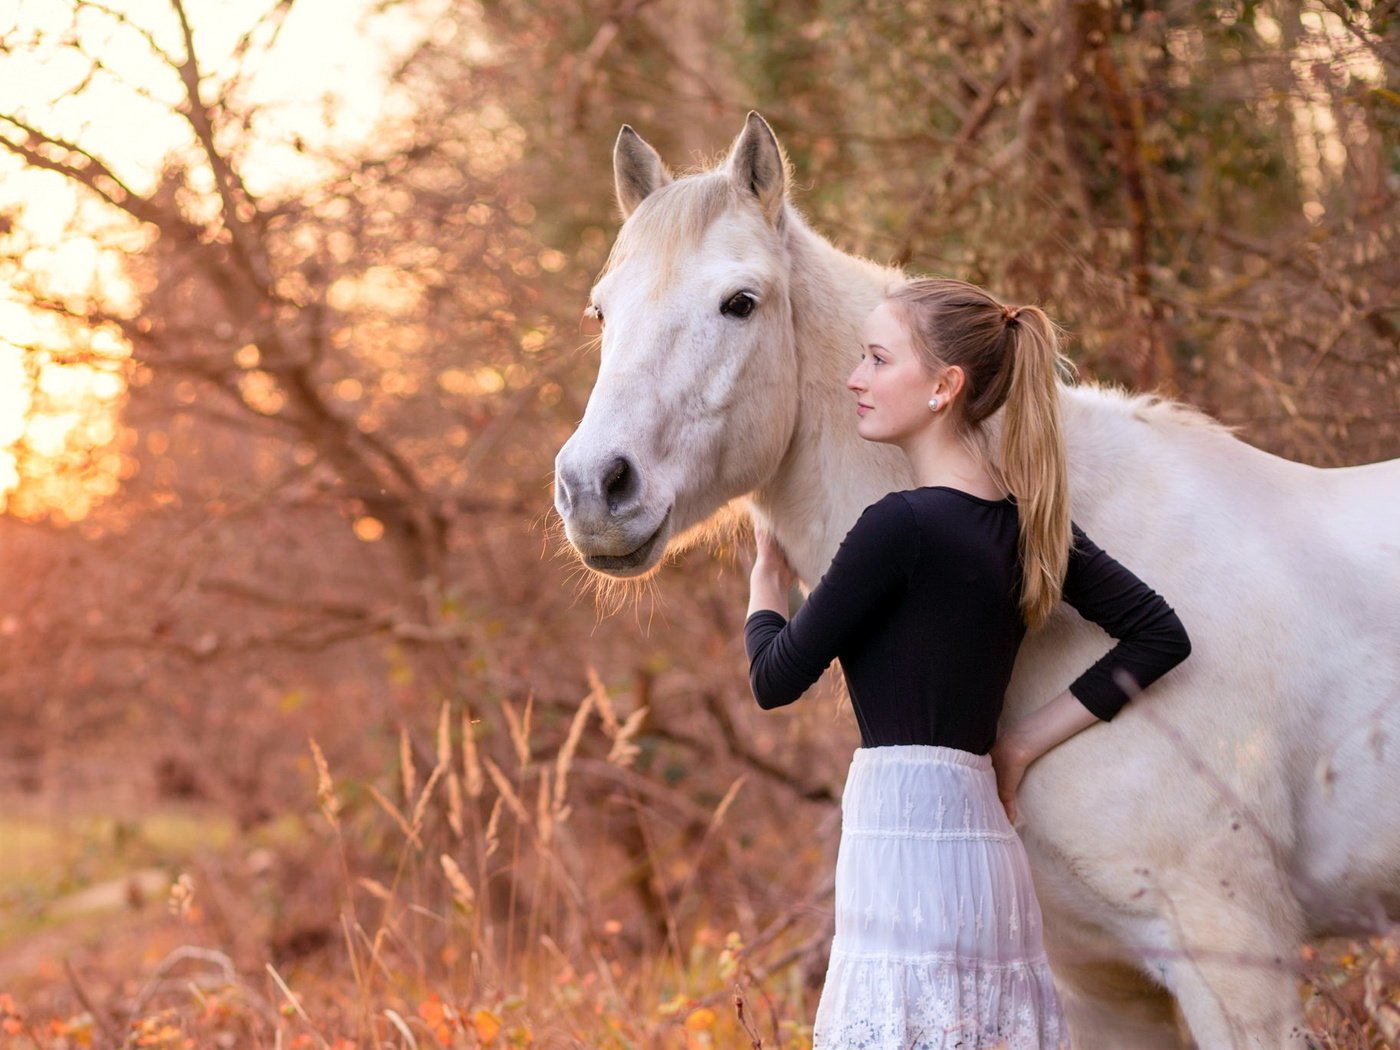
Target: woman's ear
{"points": [[949, 383]]}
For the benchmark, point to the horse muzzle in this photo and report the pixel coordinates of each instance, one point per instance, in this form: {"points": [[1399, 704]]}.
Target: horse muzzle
{"points": [[607, 519], [635, 562]]}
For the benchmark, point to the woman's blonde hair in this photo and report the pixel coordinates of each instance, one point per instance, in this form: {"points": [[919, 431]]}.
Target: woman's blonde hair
{"points": [[1009, 356]]}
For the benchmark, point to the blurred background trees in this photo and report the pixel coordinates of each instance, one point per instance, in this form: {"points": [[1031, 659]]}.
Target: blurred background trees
{"points": [[283, 399]]}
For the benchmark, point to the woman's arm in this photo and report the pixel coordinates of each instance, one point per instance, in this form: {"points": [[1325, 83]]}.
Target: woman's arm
{"points": [[1151, 638], [866, 576]]}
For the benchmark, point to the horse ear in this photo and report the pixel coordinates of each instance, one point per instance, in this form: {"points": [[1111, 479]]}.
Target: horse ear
{"points": [[757, 165], [637, 170]]}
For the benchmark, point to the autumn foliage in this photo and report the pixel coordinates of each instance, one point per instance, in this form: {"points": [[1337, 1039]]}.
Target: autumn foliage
{"points": [[315, 733]]}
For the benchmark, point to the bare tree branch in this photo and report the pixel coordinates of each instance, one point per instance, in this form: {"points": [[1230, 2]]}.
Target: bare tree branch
{"points": [[227, 184]]}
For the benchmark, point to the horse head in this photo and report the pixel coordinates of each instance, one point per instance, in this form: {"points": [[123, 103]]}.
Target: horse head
{"points": [[696, 394]]}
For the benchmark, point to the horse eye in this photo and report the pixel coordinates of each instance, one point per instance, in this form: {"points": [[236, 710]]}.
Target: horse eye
{"points": [[740, 304]]}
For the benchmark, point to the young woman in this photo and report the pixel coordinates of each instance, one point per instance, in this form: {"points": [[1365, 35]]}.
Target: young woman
{"points": [[938, 938]]}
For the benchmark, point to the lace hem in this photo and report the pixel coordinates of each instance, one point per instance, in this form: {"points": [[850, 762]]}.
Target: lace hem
{"points": [[931, 835], [874, 1002]]}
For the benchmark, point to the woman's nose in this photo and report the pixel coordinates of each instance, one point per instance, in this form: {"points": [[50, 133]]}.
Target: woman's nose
{"points": [[853, 380]]}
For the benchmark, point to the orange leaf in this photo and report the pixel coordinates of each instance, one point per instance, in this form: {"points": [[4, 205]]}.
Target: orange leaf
{"points": [[488, 1026], [430, 1010], [700, 1019], [439, 1017]]}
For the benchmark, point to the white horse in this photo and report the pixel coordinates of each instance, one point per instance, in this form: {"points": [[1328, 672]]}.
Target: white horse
{"points": [[1245, 802]]}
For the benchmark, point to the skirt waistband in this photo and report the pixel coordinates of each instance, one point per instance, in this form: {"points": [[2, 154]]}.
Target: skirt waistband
{"points": [[901, 754]]}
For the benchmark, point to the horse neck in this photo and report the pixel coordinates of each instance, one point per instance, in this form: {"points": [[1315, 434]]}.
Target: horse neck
{"points": [[828, 473]]}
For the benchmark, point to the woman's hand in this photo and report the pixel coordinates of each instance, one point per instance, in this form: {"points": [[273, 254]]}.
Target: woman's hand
{"points": [[1010, 758], [770, 559], [1020, 745], [771, 577]]}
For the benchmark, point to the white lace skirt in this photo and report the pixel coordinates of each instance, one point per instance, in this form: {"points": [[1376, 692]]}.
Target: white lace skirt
{"points": [[938, 935]]}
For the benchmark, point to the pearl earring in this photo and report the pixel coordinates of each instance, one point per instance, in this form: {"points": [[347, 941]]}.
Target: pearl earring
{"points": [[933, 404]]}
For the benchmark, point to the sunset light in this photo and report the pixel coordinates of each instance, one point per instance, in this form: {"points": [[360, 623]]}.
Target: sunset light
{"points": [[91, 73]]}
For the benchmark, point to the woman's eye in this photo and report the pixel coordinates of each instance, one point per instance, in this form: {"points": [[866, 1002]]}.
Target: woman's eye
{"points": [[740, 304]]}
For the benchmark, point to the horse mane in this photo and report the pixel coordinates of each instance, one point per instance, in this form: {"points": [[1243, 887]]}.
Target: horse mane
{"points": [[1157, 410]]}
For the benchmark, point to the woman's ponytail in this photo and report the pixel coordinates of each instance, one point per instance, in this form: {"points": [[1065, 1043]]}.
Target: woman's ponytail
{"points": [[1033, 459]]}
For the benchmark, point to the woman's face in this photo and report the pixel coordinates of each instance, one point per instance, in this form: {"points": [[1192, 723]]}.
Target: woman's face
{"points": [[891, 385]]}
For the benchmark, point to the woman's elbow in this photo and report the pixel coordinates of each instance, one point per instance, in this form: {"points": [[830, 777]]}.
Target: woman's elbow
{"points": [[769, 695], [1181, 641]]}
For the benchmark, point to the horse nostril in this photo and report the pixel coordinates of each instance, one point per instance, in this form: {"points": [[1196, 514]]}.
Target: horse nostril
{"points": [[619, 483]]}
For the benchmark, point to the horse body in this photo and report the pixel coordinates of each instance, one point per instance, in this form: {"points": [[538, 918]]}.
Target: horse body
{"points": [[1243, 803]]}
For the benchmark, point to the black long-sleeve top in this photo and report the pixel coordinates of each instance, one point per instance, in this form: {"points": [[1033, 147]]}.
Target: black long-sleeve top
{"points": [[921, 606]]}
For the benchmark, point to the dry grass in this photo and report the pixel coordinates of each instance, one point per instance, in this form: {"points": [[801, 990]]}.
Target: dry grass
{"points": [[467, 913]]}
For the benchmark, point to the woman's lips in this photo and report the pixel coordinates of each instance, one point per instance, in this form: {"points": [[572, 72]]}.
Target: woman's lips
{"points": [[861, 409]]}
